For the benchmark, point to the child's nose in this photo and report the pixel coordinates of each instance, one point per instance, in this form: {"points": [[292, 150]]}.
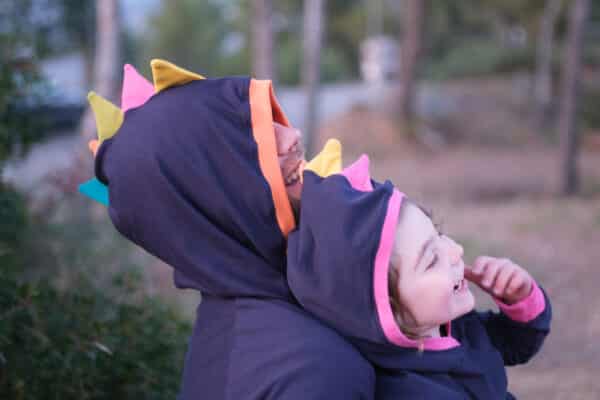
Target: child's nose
{"points": [[455, 250]]}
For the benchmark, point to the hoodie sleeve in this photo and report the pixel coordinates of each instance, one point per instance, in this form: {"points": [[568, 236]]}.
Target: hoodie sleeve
{"points": [[519, 330]]}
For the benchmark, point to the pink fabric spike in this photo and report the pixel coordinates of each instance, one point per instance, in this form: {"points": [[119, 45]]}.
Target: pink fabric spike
{"points": [[358, 174], [136, 89]]}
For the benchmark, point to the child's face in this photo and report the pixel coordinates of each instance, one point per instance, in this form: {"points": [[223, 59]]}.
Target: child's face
{"points": [[291, 157], [431, 282]]}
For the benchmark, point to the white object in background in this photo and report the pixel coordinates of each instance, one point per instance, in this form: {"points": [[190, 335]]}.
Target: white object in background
{"points": [[379, 59]]}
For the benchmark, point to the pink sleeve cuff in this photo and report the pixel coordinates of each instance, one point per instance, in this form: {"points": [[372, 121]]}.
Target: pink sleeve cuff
{"points": [[527, 309]]}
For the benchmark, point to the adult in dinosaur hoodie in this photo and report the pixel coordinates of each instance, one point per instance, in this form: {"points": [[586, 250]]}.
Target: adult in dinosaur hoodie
{"points": [[191, 167], [371, 264]]}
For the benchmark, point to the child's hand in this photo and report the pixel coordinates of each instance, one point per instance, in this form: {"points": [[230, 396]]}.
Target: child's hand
{"points": [[501, 278]]}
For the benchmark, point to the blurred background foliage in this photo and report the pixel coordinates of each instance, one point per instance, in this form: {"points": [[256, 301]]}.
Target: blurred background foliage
{"points": [[81, 343], [462, 38]]}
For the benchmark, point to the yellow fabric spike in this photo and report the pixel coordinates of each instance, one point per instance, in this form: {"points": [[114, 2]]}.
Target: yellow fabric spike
{"points": [[328, 161], [108, 116], [166, 75]]}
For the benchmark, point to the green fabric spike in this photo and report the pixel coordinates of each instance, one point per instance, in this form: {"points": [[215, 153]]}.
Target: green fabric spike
{"points": [[108, 116]]}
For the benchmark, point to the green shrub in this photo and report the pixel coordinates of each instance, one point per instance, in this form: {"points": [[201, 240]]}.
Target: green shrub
{"points": [[80, 344], [12, 229]]}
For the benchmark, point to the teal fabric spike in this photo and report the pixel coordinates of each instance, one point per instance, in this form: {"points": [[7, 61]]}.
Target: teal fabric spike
{"points": [[96, 190]]}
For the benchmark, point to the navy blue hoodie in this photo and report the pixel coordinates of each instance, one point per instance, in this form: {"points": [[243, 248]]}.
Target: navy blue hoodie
{"points": [[338, 262], [193, 178]]}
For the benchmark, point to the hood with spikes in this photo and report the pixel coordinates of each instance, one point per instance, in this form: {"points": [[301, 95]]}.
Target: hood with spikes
{"points": [[136, 91], [188, 169], [341, 244], [339, 257]]}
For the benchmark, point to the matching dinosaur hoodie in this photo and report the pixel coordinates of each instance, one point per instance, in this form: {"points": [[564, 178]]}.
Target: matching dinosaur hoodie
{"points": [[338, 262], [188, 168]]}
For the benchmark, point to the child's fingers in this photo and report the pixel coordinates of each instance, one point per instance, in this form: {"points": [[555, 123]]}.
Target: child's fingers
{"points": [[504, 276], [480, 263], [519, 288], [489, 276], [470, 275], [473, 275], [478, 271], [519, 283], [500, 277], [513, 285]]}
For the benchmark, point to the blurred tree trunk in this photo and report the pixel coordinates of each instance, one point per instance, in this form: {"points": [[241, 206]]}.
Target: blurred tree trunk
{"points": [[543, 73], [263, 65], [567, 125], [311, 67], [413, 20], [374, 17], [106, 57]]}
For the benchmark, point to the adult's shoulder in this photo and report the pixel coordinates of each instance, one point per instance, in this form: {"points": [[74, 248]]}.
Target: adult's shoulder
{"points": [[299, 356], [269, 349]]}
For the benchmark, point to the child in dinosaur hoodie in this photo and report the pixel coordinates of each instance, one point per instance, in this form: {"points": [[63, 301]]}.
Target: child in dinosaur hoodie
{"points": [[371, 264]]}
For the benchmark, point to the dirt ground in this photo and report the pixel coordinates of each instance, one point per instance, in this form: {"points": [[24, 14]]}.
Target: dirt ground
{"points": [[501, 201]]}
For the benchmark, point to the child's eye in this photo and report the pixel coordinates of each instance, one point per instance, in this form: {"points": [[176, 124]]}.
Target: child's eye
{"points": [[433, 262]]}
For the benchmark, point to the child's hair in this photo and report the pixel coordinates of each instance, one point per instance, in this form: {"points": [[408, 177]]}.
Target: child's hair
{"points": [[394, 296], [401, 315]]}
